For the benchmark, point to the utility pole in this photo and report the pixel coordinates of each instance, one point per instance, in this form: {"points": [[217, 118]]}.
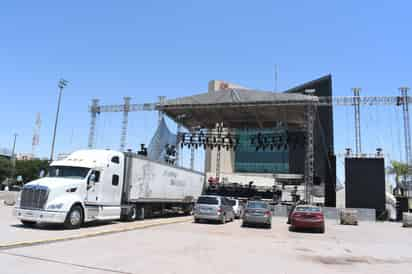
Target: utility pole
{"points": [[13, 159], [62, 83]]}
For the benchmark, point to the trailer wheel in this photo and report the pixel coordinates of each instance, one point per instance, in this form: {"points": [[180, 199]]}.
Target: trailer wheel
{"points": [[74, 218]]}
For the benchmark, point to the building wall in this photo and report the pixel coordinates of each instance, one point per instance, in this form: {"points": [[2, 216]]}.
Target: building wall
{"points": [[227, 159], [217, 85]]}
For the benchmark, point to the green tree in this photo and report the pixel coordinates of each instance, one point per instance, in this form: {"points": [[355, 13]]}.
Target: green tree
{"points": [[400, 170], [5, 169], [30, 169]]}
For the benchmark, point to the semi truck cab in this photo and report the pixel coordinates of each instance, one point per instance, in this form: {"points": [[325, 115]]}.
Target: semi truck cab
{"points": [[85, 186]]}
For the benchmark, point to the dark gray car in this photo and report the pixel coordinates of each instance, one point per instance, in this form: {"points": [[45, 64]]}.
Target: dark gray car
{"points": [[213, 208], [257, 213]]}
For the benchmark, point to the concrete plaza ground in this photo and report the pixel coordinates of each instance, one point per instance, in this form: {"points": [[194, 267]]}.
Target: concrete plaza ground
{"points": [[212, 248]]}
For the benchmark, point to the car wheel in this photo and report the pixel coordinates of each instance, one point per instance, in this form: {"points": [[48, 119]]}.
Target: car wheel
{"points": [[269, 226], [291, 229], [197, 220], [322, 229], [74, 218], [28, 223]]}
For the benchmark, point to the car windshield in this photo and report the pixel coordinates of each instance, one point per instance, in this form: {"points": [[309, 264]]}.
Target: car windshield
{"points": [[257, 205], [68, 172], [308, 209], [208, 200], [232, 202]]}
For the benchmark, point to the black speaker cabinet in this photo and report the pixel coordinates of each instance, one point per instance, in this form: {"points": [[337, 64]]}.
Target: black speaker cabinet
{"points": [[365, 183]]}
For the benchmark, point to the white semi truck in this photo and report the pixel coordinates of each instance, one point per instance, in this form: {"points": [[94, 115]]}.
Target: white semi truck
{"points": [[91, 185]]}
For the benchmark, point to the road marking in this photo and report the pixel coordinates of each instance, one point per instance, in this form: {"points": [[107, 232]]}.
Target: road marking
{"points": [[116, 229], [100, 269]]}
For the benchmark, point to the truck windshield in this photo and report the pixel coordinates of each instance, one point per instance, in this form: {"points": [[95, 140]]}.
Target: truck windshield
{"points": [[68, 172]]}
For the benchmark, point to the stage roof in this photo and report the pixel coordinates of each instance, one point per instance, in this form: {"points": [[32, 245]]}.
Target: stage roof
{"points": [[242, 108]]}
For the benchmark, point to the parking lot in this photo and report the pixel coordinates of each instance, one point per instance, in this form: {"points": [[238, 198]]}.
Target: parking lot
{"points": [[187, 247]]}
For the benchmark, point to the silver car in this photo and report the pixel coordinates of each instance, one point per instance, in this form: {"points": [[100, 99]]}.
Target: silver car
{"points": [[213, 208], [257, 213]]}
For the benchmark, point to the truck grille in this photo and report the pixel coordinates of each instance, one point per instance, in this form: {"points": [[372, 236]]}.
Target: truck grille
{"points": [[34, 197]]}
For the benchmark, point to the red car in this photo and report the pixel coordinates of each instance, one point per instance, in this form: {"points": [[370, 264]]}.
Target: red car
{"points": [[307, 216]]}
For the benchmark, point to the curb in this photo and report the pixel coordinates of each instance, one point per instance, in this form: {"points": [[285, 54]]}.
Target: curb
{"points": [[93, 234]]}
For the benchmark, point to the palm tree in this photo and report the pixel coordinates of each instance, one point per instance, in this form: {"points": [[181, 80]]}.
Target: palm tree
{"points": [[400, 170]]}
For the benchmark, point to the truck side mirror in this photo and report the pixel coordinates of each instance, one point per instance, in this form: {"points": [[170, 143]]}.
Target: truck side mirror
{"points": [[92, 178]]}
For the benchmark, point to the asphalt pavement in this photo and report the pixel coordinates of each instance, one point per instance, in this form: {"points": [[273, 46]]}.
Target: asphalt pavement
{"points": [[213, 248]]}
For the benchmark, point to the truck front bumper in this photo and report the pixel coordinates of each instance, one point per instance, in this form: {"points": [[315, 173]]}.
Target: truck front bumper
{"points": [[43, 216]]}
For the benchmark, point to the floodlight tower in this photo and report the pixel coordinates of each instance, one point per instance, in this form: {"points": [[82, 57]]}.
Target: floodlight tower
{"points": [[36, 134], [62, 83]]}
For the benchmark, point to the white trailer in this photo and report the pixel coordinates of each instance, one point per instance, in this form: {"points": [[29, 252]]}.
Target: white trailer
{"points": [[92, 185]]}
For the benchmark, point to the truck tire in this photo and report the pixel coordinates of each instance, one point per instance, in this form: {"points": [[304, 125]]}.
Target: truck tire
{"points": [[132, 216], [74, 218], [28, 223]]}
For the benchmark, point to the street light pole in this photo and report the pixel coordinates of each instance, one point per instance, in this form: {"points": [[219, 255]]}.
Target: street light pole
{"points": [[61, 85], [13, 158]]}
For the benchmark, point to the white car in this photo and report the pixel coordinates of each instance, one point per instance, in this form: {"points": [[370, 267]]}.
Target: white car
{"points": [[237, 207]]}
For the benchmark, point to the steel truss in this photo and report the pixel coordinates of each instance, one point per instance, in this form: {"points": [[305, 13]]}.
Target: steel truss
{"points": [[404, 100]]}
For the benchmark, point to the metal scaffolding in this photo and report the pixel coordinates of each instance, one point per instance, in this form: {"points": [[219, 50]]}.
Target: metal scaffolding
{"points": [[310, 115], [356, 101], [94, 110], [356, 104], [406, 125], [125, 122]]}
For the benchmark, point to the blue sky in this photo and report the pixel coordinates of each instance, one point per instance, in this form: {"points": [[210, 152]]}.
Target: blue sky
{"points": [[110, 49]]}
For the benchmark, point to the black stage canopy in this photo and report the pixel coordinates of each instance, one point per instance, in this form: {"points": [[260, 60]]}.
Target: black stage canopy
{"points": [[239, 108]]}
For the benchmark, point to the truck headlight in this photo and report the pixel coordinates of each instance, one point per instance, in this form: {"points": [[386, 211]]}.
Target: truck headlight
{"points": [[55, 206]]}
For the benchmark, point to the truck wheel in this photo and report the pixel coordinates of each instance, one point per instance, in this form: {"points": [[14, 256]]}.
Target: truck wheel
{"points": [[28, 223], [74, 218], [132, 214]]}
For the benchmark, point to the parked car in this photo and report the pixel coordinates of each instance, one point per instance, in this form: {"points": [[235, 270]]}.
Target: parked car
{"points": [[307, 217], [258, 213], [292, 208], [213, 208], [237, 207]]}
